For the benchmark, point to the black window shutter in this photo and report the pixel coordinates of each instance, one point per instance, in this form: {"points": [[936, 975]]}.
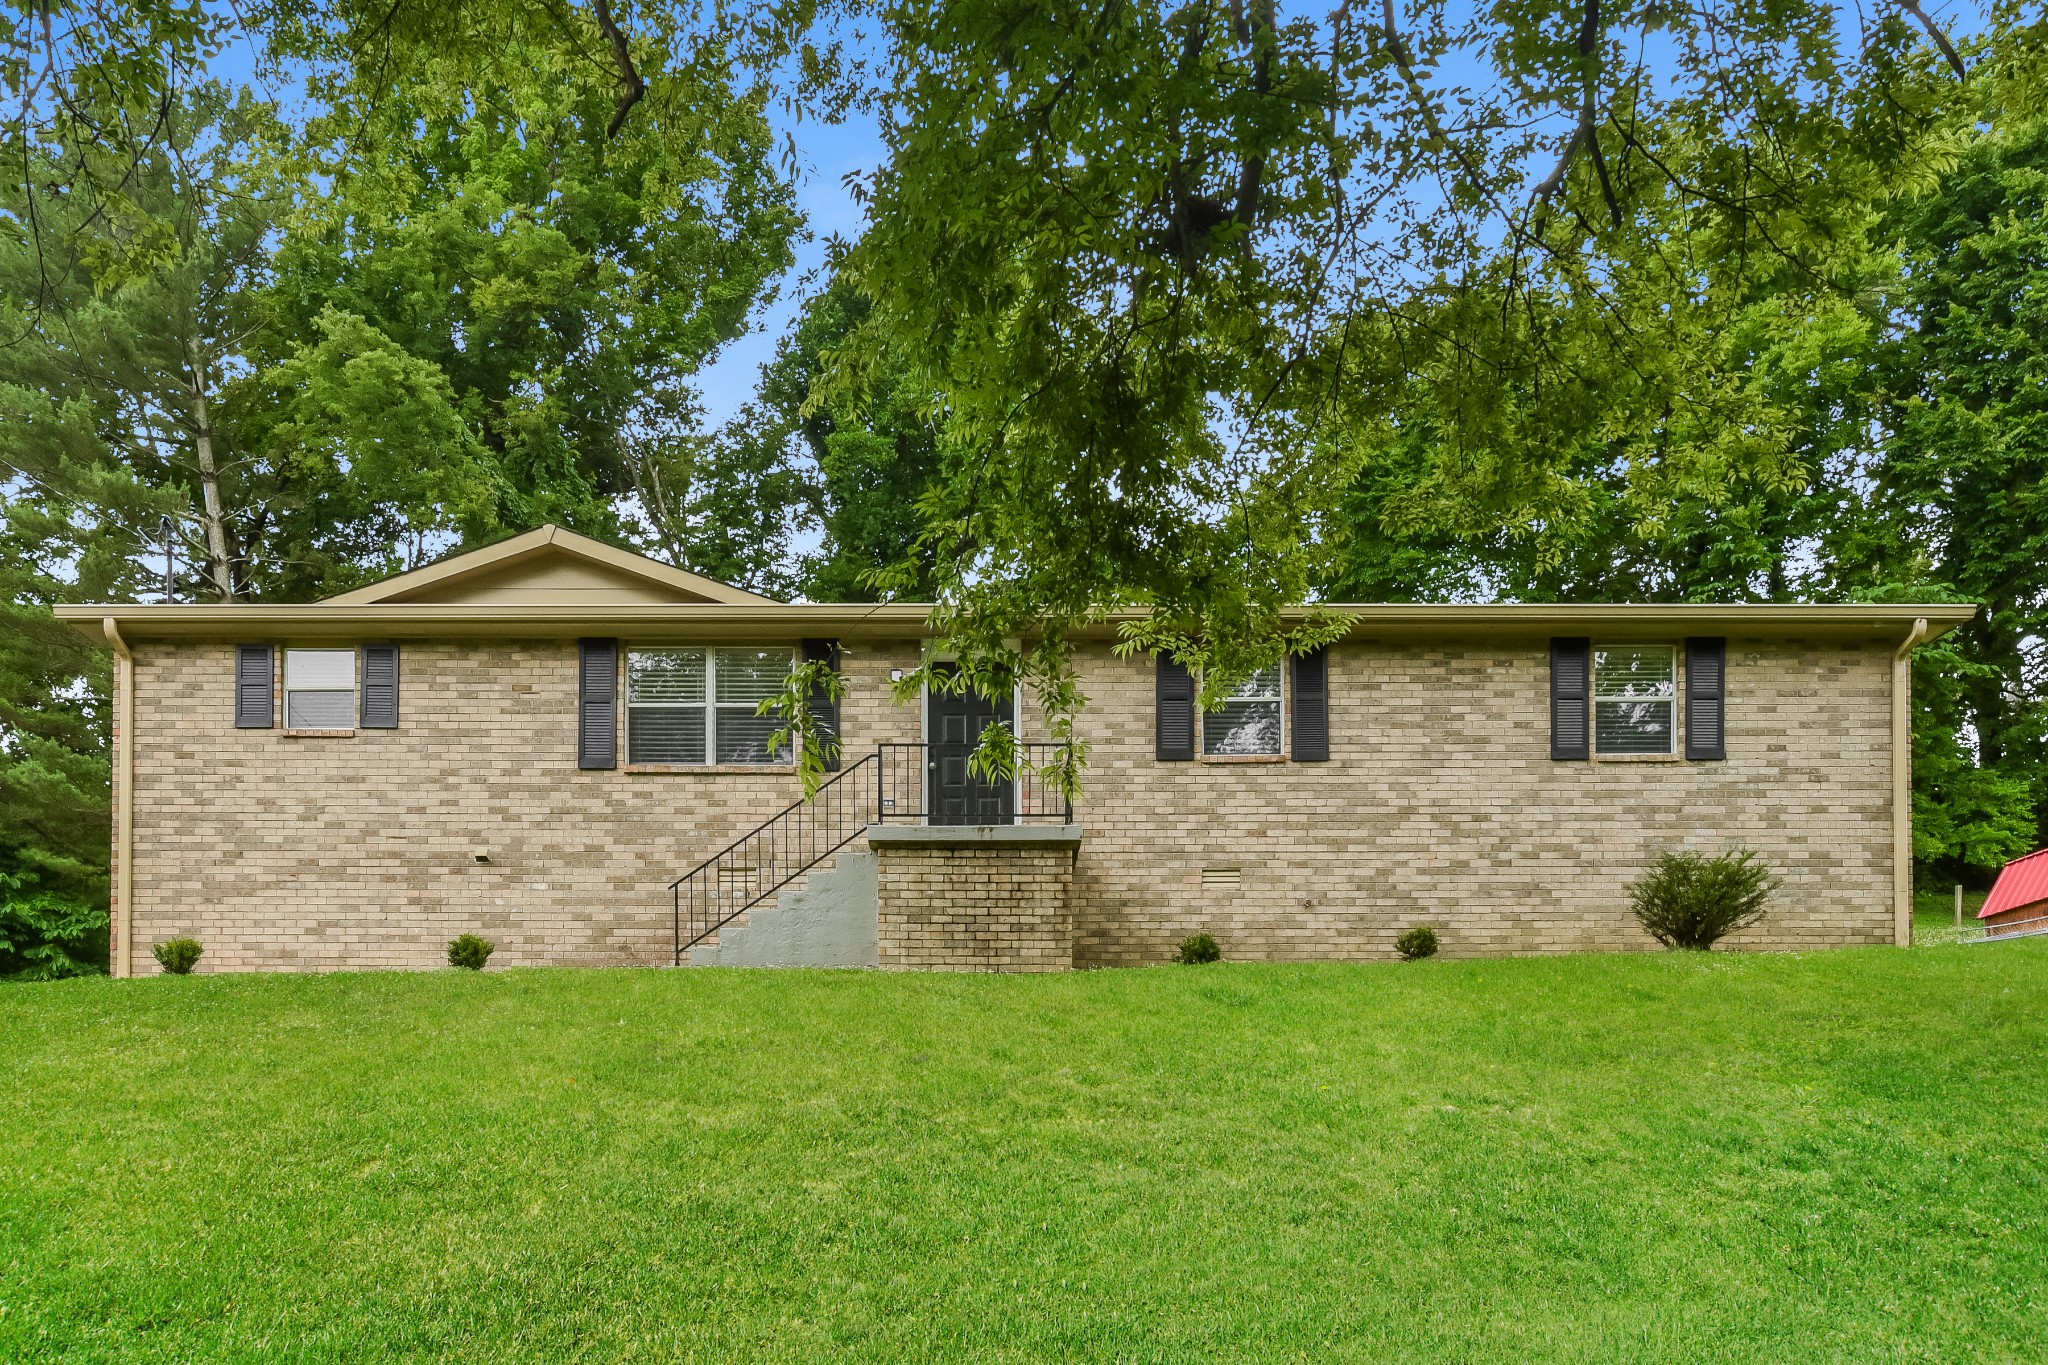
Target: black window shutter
{"points": [[255, 687], [380, 687], [597, 720], [1312, 706], [1571, 678], [1175, 704], [825, 709], [1706, 694]]}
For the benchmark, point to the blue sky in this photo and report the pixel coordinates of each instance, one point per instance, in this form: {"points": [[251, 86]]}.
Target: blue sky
{"points": [[828, 152]]}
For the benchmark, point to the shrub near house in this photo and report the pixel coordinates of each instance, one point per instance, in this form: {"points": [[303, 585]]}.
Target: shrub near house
{"points": [[1690, 901]]}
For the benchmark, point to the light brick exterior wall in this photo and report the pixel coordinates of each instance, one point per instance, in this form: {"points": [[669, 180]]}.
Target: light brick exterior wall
{"points": [[1440, 805], [312, 854], [990, 909]]}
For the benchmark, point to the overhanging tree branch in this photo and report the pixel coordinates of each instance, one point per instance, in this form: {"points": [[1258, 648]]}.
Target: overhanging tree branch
{"points": [[1941, 41], [629, 75]]}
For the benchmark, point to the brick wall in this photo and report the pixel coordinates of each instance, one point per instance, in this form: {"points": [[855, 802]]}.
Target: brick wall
{"points": [[311, 854], [1440, 806], [975, 909]]}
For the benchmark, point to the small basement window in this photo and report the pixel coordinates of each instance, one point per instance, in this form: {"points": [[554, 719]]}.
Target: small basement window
{"points": [[696, 706], [1635, 699], [320, 689], [1248, 723]]}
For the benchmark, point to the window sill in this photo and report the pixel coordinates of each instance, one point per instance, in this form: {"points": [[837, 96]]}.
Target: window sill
{"points": [[1639, 758], [1240, 758], [711, 769], [319, 734]]}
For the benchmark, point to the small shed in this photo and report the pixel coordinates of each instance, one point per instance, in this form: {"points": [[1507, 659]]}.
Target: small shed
{"points": [[2018, 904]]}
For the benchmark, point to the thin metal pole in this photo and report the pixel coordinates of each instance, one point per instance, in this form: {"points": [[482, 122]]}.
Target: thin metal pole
{"points": [[1959, 905], [170, 567]]}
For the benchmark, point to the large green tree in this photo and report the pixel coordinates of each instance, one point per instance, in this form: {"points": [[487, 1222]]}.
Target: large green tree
{"points": [[151, 375], [1174, 270], [567, 282], [54, 823], [855, 472], [1959, 491]]}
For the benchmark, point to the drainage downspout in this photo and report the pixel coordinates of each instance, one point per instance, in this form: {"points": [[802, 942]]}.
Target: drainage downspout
{"points": [[121, 957], [1902, 786]]}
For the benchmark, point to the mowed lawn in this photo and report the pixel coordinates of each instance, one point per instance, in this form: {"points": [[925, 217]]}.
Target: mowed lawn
{"points": [[1836, 1156]]}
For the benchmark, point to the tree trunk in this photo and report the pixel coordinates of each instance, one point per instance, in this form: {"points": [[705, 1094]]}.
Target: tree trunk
{"points": [[211, 518]]}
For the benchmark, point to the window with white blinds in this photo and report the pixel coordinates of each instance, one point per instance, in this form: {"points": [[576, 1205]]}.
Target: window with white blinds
{"points": [[1635, 699], [697, 705], [1248, 722], [320, 689]]}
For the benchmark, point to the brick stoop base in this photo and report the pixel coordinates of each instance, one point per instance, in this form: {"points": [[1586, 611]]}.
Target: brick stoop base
{"points": [[975, 898]]}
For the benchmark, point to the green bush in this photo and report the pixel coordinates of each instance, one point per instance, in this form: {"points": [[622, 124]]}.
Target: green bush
{"points": [[1197, 949], [1417, 943], [45, 936], [1686, 900], [470, 952], [177, 955]]}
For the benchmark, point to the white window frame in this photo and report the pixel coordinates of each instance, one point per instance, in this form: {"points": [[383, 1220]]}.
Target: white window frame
{"points": [[1595, 697], [353, 692], [1204, 717], [709, 706]]}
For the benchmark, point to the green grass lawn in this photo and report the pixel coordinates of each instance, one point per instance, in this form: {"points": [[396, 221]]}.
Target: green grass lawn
{"points": [[1836, 1156]]}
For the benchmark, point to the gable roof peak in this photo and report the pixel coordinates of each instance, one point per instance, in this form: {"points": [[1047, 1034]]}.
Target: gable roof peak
{"points": [[550, 564]]}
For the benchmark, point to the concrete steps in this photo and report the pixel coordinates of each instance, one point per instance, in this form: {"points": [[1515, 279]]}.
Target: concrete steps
{"points": [[826, 919]]}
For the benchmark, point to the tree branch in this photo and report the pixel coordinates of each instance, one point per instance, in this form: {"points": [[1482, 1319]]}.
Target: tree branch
{"points": [[1547, 188], [1585, 135], [629, 75], [1260, 34], [1941, 41]]}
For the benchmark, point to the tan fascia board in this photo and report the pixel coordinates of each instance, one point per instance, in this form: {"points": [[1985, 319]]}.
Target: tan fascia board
{"points": [[1656, 620], [533, 542], [335, 620], [431, 620]]}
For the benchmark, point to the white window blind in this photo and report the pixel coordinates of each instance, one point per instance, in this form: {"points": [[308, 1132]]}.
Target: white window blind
{"points": [[741, 679], [1635, 699], [320, 689], [686, 706], [1249, 721]]}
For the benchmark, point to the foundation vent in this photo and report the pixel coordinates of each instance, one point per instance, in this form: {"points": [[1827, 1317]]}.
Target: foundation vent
{"points": [[1220, 878]]}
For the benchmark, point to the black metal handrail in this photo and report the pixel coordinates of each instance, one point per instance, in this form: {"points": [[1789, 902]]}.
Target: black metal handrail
{"points": [[1037, 792], [773, 854], [890, 784]]}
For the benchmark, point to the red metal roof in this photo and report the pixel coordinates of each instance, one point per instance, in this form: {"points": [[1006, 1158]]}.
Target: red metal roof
{"points": [[2024, 881]]}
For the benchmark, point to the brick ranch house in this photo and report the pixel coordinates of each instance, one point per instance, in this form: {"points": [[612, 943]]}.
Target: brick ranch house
{"points": [[552, 743]]}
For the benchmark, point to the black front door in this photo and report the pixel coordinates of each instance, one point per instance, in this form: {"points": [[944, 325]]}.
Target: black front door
{"points": [[956, 796]]}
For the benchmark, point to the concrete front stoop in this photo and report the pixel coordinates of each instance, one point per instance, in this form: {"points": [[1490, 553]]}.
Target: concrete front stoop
{"points": [[828, 919], [975, 898]]}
